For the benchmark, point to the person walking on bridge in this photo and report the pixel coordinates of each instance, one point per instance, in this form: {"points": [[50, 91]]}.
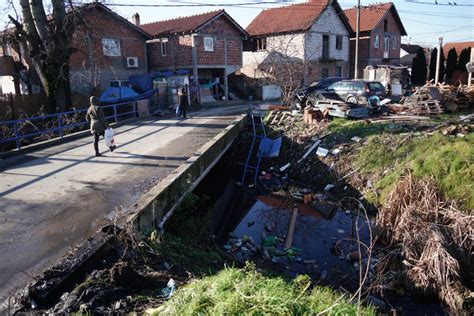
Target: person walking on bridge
{"points": [[95, 115], [183, 101]]}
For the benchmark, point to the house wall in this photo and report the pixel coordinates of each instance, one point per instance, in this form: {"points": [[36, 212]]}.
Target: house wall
{"points": [[370, 55], [307, 47], [89, 65], [180, 48], [330, 24]]}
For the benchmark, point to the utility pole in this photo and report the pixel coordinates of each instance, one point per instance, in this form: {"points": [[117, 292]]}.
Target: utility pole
{"points": [[469, 78], [438, 59], [356, 63]]}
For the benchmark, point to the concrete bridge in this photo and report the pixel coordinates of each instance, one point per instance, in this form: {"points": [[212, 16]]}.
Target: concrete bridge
{"points": [[53, 199]]}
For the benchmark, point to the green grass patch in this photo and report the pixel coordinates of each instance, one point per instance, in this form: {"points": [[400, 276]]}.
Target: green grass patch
{"points": [[186, 242], [343, 130], [449, 160], [246, 291]]}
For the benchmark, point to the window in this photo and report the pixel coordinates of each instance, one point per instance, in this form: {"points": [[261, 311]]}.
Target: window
{"points": [[338, 71], [324, 73], [325, 47], [385, 25], [339, 42], [119, 83], [262, 43], [376, 41], [164, 46], [208, 44], [111, 47], [7, 49], [394, 43], [386, 44]]}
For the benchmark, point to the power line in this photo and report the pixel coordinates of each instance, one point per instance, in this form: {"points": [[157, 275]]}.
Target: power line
{"points": [[253, 5], [437, 3]]}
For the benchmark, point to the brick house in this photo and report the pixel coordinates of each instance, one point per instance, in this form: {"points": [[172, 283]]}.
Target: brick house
{"points": [[315, 34], [106, 50], [208, 44], [381, 30]]}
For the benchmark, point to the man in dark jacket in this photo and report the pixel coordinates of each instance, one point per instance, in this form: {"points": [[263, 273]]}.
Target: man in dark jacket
{"points": [[99, 124], [183, 102]]}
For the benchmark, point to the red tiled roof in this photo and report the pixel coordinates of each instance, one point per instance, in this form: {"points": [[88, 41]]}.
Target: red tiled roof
{"points": [[179, 25], [292, 18], [371, 15], [458, 45]]}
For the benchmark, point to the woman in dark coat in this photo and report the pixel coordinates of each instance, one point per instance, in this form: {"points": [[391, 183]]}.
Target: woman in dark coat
{"points": [[99, 124], [183, 102]]}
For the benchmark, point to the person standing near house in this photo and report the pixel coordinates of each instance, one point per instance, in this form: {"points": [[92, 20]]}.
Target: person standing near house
{"points": [[183, 101], [95, 115]]}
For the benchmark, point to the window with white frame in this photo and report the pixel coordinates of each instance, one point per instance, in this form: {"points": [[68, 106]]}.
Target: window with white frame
{"points": [[164, 46], [262, 43], [376, 41], [394, 43], [208, 44], [111, 47]]}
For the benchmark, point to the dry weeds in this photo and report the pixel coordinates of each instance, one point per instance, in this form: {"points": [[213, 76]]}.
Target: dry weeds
{"points": [[436, 240]]}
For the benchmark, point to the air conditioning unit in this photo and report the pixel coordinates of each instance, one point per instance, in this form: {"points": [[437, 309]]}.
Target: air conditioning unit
{"points": [[132, 62], [385, 55]]}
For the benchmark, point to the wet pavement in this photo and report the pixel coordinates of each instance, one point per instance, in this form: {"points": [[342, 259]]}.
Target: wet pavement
{"points": [[53, 199]]}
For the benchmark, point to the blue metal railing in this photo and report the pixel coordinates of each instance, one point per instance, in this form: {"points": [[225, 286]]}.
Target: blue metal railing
{"points": [[60, 124]]}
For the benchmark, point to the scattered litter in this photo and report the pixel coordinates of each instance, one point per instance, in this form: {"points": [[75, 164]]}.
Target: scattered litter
{"points": [[329, 187], [322, 152], [169, 290], [316, 144], [282, 169], [357, 139], [336, 151], [324, 275]]}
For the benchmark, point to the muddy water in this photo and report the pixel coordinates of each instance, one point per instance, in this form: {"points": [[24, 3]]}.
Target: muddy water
{"points": [[314, 238], [323, 249]]}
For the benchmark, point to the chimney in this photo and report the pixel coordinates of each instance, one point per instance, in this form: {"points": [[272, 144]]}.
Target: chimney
{"points": [[136, 19]]}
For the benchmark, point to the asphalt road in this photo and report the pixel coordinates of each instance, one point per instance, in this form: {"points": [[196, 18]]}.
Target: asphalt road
{"points": [[53, 199]]}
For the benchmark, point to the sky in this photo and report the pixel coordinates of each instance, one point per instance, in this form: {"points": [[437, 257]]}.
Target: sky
{"points": [[424, 20]]}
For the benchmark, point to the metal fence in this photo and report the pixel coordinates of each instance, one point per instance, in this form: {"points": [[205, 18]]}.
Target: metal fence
{"points": [[16, 133]]}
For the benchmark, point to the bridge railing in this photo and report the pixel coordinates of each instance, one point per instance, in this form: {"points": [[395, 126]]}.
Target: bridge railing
{"points": [[39, 128]]}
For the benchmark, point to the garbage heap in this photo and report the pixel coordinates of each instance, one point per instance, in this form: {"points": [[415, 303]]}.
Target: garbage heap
{"points": [[432, 99]]}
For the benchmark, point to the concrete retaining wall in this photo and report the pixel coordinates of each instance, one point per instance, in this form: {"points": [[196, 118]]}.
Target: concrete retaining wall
{"points": [[157, 205]]}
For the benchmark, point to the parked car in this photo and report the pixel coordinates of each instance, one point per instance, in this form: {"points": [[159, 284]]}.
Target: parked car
{"points": [[299, 96], [352, 91]]}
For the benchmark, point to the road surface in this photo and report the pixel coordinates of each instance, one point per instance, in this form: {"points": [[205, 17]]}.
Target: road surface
{"points": [[55, 198]]}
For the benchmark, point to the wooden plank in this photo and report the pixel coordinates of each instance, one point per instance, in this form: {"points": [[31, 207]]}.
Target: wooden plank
{"points": [[291, 229]]}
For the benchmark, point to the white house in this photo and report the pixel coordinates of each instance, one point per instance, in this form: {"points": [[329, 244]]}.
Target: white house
{"points": [[315, 33]]}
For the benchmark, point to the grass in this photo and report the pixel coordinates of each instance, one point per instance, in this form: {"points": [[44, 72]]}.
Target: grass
{"points": [[449, 160], [246, 291], [186, 242]]}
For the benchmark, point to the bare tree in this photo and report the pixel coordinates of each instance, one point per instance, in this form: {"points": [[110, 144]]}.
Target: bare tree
{"points": [[47, 40], [285, 62]]}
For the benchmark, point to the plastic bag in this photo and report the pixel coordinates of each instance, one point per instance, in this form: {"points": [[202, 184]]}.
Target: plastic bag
{"points": [[109, 137]]}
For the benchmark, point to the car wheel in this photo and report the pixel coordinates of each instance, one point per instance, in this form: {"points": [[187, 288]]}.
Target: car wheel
{"points": [[352, 100]]}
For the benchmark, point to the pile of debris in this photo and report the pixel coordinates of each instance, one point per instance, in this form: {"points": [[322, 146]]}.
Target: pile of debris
{"points": [[432, 99]]}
